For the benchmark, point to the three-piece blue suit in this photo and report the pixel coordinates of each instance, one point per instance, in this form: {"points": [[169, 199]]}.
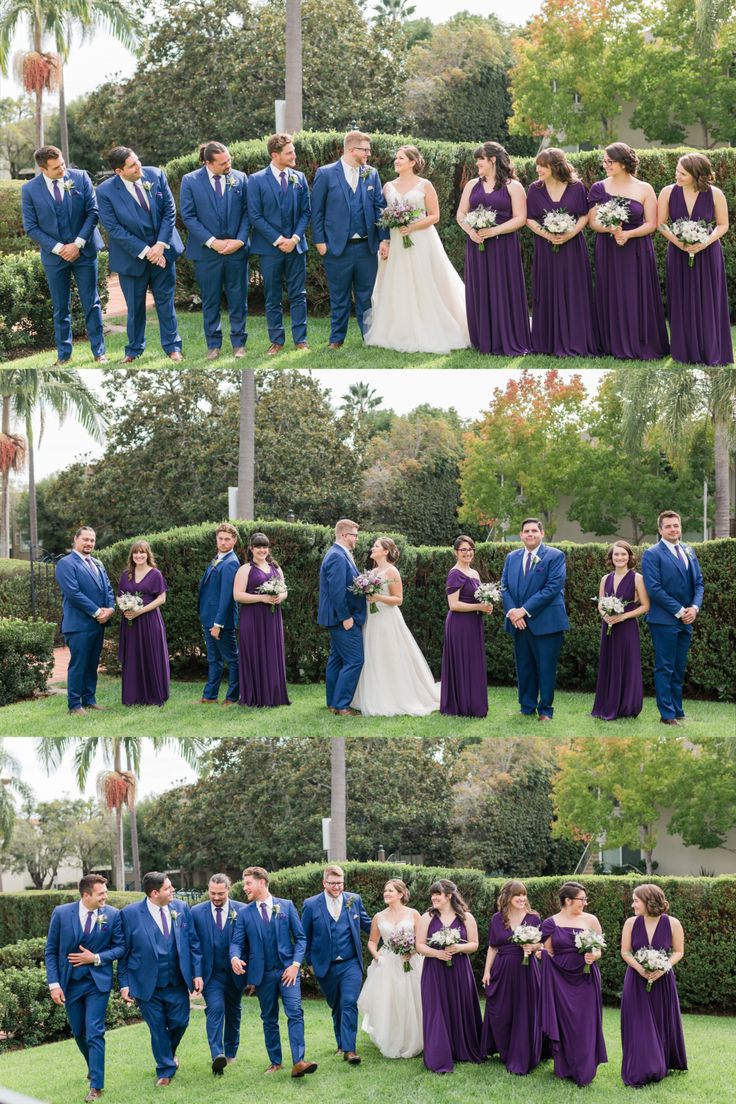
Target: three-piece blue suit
{"points": [[274, 213], [338, 604], [537, 647], [131, 229], [223, 989], [206, 216], [49, 224], [86, 988], [84, 590], [216, 606], [671, 586], [335, 953]]}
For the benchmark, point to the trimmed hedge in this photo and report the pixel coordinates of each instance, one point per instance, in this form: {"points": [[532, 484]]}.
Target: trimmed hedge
{"points": [[12, 235], [26, 952], [26, 658], [26, 916]]}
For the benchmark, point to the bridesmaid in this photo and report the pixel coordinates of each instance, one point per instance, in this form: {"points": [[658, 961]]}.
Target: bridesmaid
{"points": [[697, 299], [572, 1007], [619, 691], [463, 679], [511, 1024], [143, 649], [450, 1006], [261, 655], [495, 291], [629, 311], [651, 1025], [562, 285]]}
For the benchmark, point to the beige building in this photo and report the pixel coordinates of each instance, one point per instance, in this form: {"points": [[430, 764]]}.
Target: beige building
{"points": [[674, 858]]}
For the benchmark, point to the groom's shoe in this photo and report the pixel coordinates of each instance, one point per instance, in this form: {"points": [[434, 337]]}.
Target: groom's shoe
{"points": [[301, 345], [670, 721], [78, 712], [347, 712], [213, 354], [336, 345], [351, 1057], [274, 349], [300, 1068], [543, 717], [332, 710], [274, 1068]]}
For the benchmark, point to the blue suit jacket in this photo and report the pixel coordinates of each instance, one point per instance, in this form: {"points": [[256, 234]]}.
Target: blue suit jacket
{"points": [[65, 936], [541, 593], [336, 602], [670, 586], [331, 208], [82, 593], [216, 605], [138, 968], [39, 216], [264, 210], [316, 922], [205, 928], [197, 206], [128, 224], [247, 940]]}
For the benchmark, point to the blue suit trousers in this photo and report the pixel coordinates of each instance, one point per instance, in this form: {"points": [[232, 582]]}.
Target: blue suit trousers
{"points": [[85, 1009], [228, 273], [162, 282], [269, 991], [60, 286], [219, 652], [341, 986], [290, 269], [223, 1015], [167, 1016], [671, 645], [536, 670], [344, 665], [81, 678], [352, 273]]}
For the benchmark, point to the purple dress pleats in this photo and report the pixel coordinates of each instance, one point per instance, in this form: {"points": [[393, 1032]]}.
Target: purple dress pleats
{"points": [[511, 1025], [619, 691], [450, 1008], [464, 681], [143, 650], [261, 655]]}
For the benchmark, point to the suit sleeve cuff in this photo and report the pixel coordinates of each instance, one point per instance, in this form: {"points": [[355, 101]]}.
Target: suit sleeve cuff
{"points": [[525, 612], [53, 985], [209, 241], [297, 964], [680, 612], [143, 254], [164, 244], [58, 248], [80, 242]]}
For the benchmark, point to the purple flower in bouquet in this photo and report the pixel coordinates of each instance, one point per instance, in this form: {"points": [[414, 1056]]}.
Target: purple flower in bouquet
{"points": [[402, 941], [272, 586], [366, 584], [398, 214]]}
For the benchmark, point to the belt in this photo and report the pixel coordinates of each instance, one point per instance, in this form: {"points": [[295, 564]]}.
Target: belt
{"points": [[356, 241]]}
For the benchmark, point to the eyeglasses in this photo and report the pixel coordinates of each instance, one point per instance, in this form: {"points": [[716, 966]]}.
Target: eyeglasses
{"points": [[583, 900], [608, 161], [362, 149], [334, 885]]}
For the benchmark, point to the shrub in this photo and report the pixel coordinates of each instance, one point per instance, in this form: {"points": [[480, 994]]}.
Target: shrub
{"points": [[15, 592], [26, 916], [26, 952], [12, 235], [26, 658]]}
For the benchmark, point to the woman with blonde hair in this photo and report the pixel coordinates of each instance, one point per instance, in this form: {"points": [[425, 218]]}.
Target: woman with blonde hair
{"points": [[143, 649]]}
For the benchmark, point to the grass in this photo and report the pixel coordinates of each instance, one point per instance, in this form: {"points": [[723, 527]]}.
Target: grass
{"points": [[55, 1072]]}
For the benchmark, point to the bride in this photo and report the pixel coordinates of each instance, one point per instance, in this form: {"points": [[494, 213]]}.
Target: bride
{"points": [[396, 680], [391, 1000], [418, 302]]}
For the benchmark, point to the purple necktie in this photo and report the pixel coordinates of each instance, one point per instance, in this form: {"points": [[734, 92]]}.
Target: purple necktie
{"points": [[218, 908], [142, 198], [88, 924], [164, 923], [58, 198], [92, 566], [218, 186], [282, 176], [264, 913], [681, 558], [527, 564]]}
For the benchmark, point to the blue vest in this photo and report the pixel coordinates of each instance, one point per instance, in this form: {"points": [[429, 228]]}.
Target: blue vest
{"points": [[341, 941], [270, 944], [168, 960], [358, 224], [221, 947], [66, 234]]}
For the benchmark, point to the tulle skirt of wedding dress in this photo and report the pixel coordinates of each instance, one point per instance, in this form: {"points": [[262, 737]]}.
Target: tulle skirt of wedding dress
{"points": [[391, 1004], [396, 680]]}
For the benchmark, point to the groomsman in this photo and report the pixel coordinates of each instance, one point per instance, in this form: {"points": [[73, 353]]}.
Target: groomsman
{"points": [[162, 964], [674, 583], [214, 921], [88, 603], [347, 200], [214, 208], [85, 937], [533, 582], [278, 206], [217, 613], [137, 210], [343, 613], [268, 947], [332, 923], [60, 214]]}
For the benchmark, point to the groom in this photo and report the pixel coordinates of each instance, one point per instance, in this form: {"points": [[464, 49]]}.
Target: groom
{"points": [[219, 618], [343, 613]]}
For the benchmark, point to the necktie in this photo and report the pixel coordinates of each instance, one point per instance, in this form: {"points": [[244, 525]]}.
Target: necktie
{"points": [[164, 923], [678, 553], [88, 924], [218, 186], [142, 197], [282, 178], [264, 913], [527, 564], [58, 198], [92, 566], [218, 908]]}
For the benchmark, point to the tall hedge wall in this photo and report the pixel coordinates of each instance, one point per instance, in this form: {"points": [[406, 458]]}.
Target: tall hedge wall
{"points": [[27, 915]]}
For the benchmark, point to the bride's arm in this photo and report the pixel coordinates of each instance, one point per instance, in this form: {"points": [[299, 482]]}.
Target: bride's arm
{"points": [[433, 211], [373, 938], [395, 594]]}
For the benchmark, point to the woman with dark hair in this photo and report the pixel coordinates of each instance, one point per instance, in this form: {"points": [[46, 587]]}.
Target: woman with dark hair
{"points": [[651, 1024], [464, 679], [562, 284], [511, 979], [629, 311], [259, 590], [447, 935], [697, 297], [619, 691], [143, 649], [495, 291]]}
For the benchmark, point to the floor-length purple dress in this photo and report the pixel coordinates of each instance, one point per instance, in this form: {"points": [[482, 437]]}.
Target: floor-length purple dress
{"points": [[463, 678], [619, 691], [511, 1025], [572, 1007], [651, 1025], [495, 292], [261, 655], [697, 297], [450, 1008], [143, 650], [628, 303], [562, 284]]}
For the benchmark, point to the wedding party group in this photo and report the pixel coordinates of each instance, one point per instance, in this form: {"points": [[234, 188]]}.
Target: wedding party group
{"points": [[382, 255], [541, 977]]}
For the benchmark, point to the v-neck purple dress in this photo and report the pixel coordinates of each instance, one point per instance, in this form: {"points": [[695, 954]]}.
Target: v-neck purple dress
{"points": [[143, 650], [511, 1024], [451, 1020], [261, 653], [619, 691], [463, 678]]}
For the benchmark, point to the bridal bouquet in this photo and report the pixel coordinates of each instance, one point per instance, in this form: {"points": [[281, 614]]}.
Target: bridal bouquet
{"points": [[127, 602], [612, 606], [613, 213], [481, 218], [402, 941], [364, 585], [488, 592], [445, 937], [272, 586], [558, 222], [652, 960], [589, 940], [526, 933], [690, 232], [398, 214]]}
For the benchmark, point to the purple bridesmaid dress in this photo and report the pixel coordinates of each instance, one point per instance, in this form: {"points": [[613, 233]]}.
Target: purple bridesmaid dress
{"points": [[495, 292], [628, 304], [450, 1008], [261, 655], [572, 1007], [143, 650], [651, 1025], [463, 679], [697, 299], [619, 691], [511, 1025], [562, 284]]}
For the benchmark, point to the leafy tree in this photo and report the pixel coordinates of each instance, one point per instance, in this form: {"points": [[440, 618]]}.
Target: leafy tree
{"points": [[705, 808], [43, 839], [11, 785], [92, 842], [16, 134]]}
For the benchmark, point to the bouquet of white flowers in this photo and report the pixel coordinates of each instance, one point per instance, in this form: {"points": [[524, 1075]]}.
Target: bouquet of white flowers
{"points": [[445, 937], [612, 606], [369, 582], [488, 592], [129, 601], [526, 933], [398, 214], [652, 960], [272, 586], [589, 940], [558, 222], [613, 213], [691, 232], [481, 218], [402, 942]]}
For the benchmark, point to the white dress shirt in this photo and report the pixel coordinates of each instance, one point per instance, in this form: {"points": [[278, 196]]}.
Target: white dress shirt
{"points": [[334, 905], [79, 242], [155, 912], [130, 185], [225, 912], [535, 552], [269, 909]]}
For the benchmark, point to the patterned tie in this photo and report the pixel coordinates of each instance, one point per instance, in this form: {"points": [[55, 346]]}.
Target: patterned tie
{"points": [[218, 908], [142, 198], [218, 186], [527, 564], [58, 197], [264, 913], [88, 924], [282, 178], [164, 923]]}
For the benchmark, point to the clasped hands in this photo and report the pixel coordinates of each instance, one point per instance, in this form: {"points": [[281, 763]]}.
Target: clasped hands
{"points": [[105, 614], [691, 612], [226, 245], [517, 617], [69, 252]]}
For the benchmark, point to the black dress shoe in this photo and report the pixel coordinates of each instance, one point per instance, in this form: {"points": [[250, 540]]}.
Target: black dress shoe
{"points": [[218, 1064]]}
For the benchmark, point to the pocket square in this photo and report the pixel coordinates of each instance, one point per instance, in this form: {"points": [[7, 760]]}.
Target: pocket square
{"points": [[370, 188]]}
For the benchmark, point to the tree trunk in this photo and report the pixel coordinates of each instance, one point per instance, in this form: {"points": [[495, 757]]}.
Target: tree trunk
{"points": [[63, 124], [32, 505], [118, 857], [293, 92], [722, 466], [338, 801], [134, 853], [244, 504], [5, 503]]}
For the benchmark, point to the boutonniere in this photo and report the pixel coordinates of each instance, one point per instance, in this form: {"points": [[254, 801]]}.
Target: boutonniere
{"points": [[232, 916], [101, 920], [275, 911], [294, 181], [688, 552], [174, 916], [146, 184], [69, 185], [536, 560], [350, 905], [230, 180], [364, 172]]}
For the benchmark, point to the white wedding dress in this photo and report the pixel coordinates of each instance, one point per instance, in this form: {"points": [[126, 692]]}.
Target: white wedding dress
{"points": [[396, 680], [418, 302], [391, 999]]}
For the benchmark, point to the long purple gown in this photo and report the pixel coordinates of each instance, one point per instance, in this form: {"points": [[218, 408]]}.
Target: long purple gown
{"points": [[464, 681], [261, 655], [143, 650], [495, 292], [511, 1025], [572, 1007], [697, 299], [619, 691], [651, 1025], [450, 1008], [562, 284], [628, 304]]}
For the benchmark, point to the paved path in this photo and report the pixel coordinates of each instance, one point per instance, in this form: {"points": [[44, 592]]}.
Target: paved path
{"points": [[116, 303]]}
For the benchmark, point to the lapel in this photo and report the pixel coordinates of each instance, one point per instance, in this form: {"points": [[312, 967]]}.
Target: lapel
{"points": [[46, 195], [364, 196], [325, 911], [343, 182], [76, 925], [677, 561], [351, 563], [274, 185], [151, 927], [174, 924], [129, 201], [257, 922], [205, 183]]}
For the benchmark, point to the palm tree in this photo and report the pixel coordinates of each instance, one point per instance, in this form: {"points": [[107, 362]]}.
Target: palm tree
{"points": [[12, 459], [293, 82], [338, 851], [244, 502], [709, 15], [11, 784], [361, 398], [392, 11]]}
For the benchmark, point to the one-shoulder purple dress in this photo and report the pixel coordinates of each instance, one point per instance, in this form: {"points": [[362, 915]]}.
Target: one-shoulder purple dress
{"points": [[143, 649], [511, 1025], [463, 679], [619, 691], [450, 1008], [261, 654]]}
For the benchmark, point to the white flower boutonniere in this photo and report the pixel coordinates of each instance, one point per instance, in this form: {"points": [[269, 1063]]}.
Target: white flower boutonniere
{"points": [[232, 916], [174, 916], [689, 552], [365, 172], [536, 560], [146, 184], [101, 920], [294, 181], [276, 911], [350, 905], [230, 180], [69, 185]]}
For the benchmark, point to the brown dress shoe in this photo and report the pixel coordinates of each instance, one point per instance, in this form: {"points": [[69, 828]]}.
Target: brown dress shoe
{"points": [[208, 701], [163, 1082], [670, 721], [129, 360], [213, 354], [93, 1094], [351, 1057], [78, 712], [97, 708], [301, 345], [274, 1068], [543, 717], [61, 363], [347, 712], [274, 349], [175, 356], [102, 359], [239, 353], [227, 701], [300, 1068], [335, 345]]}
